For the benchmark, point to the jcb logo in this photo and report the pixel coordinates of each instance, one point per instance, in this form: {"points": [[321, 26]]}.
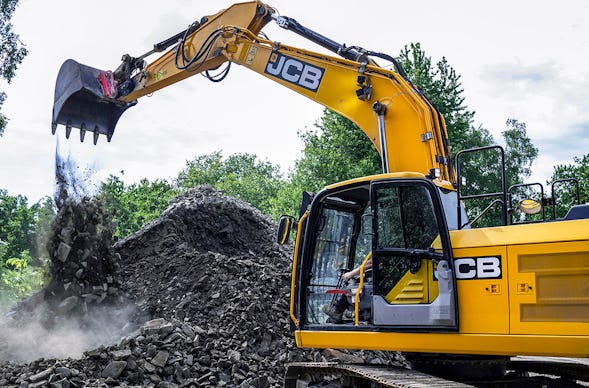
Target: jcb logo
{"points": [[294, 71], [488, 267]]}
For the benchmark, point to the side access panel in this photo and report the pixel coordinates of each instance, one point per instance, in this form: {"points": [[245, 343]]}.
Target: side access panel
{"points": [[549, 288]]}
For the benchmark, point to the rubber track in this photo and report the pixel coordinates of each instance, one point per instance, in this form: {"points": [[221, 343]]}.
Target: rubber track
{"points": [[385, 376]]}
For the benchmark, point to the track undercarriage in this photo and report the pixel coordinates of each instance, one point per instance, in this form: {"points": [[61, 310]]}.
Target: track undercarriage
{"points": [[434, 372]]}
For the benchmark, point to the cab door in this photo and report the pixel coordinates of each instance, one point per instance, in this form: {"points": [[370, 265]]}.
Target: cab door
{"points": [[414, 282]]}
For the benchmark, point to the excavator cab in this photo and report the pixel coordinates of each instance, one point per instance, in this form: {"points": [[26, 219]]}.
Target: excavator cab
{"points": [[81, 102], [397, 223]]}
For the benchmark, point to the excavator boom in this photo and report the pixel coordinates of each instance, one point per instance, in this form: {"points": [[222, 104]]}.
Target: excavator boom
{"points": [[406, 129]]}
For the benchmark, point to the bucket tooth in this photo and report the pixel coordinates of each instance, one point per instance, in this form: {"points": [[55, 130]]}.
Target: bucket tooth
{"points": [[96, 134], [53, 127], [82, 132], [68, 130]]}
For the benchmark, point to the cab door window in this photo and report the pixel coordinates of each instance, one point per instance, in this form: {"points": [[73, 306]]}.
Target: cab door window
{"points": [[406, 231], [406, 218]]}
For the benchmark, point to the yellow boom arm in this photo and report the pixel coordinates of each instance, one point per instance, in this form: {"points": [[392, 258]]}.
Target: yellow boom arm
{"points": [[408, 132]]}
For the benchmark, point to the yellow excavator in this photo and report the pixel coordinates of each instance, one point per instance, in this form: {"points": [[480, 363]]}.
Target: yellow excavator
{"points": [[460, 302]]}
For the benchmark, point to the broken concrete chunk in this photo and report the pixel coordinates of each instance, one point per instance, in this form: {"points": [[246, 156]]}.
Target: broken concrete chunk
{"points": [[121, 354], [149, 367], [66, 232], [63, 383], [63, 251], [68, 304], [63, 371], [188, 330], [41, 375], [97, 289], [114, 369], [233, 355], [157, 326], [38, 384], [160, 358]]}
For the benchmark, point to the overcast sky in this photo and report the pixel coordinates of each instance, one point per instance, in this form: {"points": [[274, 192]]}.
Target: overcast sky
{"points": [[527, 60]]}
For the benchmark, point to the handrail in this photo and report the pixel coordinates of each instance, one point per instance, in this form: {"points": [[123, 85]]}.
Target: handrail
{"points": [[359, 290], [502, 193]]}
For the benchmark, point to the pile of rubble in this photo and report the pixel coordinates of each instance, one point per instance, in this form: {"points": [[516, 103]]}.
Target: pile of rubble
{"points": [[215, 286]]}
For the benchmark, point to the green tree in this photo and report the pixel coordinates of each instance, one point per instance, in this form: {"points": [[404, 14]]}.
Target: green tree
{"points": [[205, 169], [483, 173], [335, 151], [442, 85], [240, 175], [17, 224], [12, 51], [18, 279], [565, 192], [21, 249], [134, 205], [520, 152]]}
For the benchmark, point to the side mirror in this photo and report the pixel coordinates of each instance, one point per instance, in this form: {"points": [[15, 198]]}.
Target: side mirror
{"points": [[285, 224]]}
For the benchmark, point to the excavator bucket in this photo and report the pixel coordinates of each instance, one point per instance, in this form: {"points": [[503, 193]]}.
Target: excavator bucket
{"points": [[81, 103]]}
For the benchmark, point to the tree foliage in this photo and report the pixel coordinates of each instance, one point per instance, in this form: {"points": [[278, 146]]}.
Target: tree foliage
{"points": [[520, 152], [243, 176], [337, 151], [18, 278], [17, 224], [442, 85], [565, 192], [134, 205], [12, 50], [240, 175], [22, 246]]}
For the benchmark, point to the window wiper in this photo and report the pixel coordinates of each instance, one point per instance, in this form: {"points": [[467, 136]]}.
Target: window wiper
{"points": [[429, 253]]}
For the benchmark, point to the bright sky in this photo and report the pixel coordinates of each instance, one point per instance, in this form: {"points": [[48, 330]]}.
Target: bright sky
{"points": [[527, 60]]}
